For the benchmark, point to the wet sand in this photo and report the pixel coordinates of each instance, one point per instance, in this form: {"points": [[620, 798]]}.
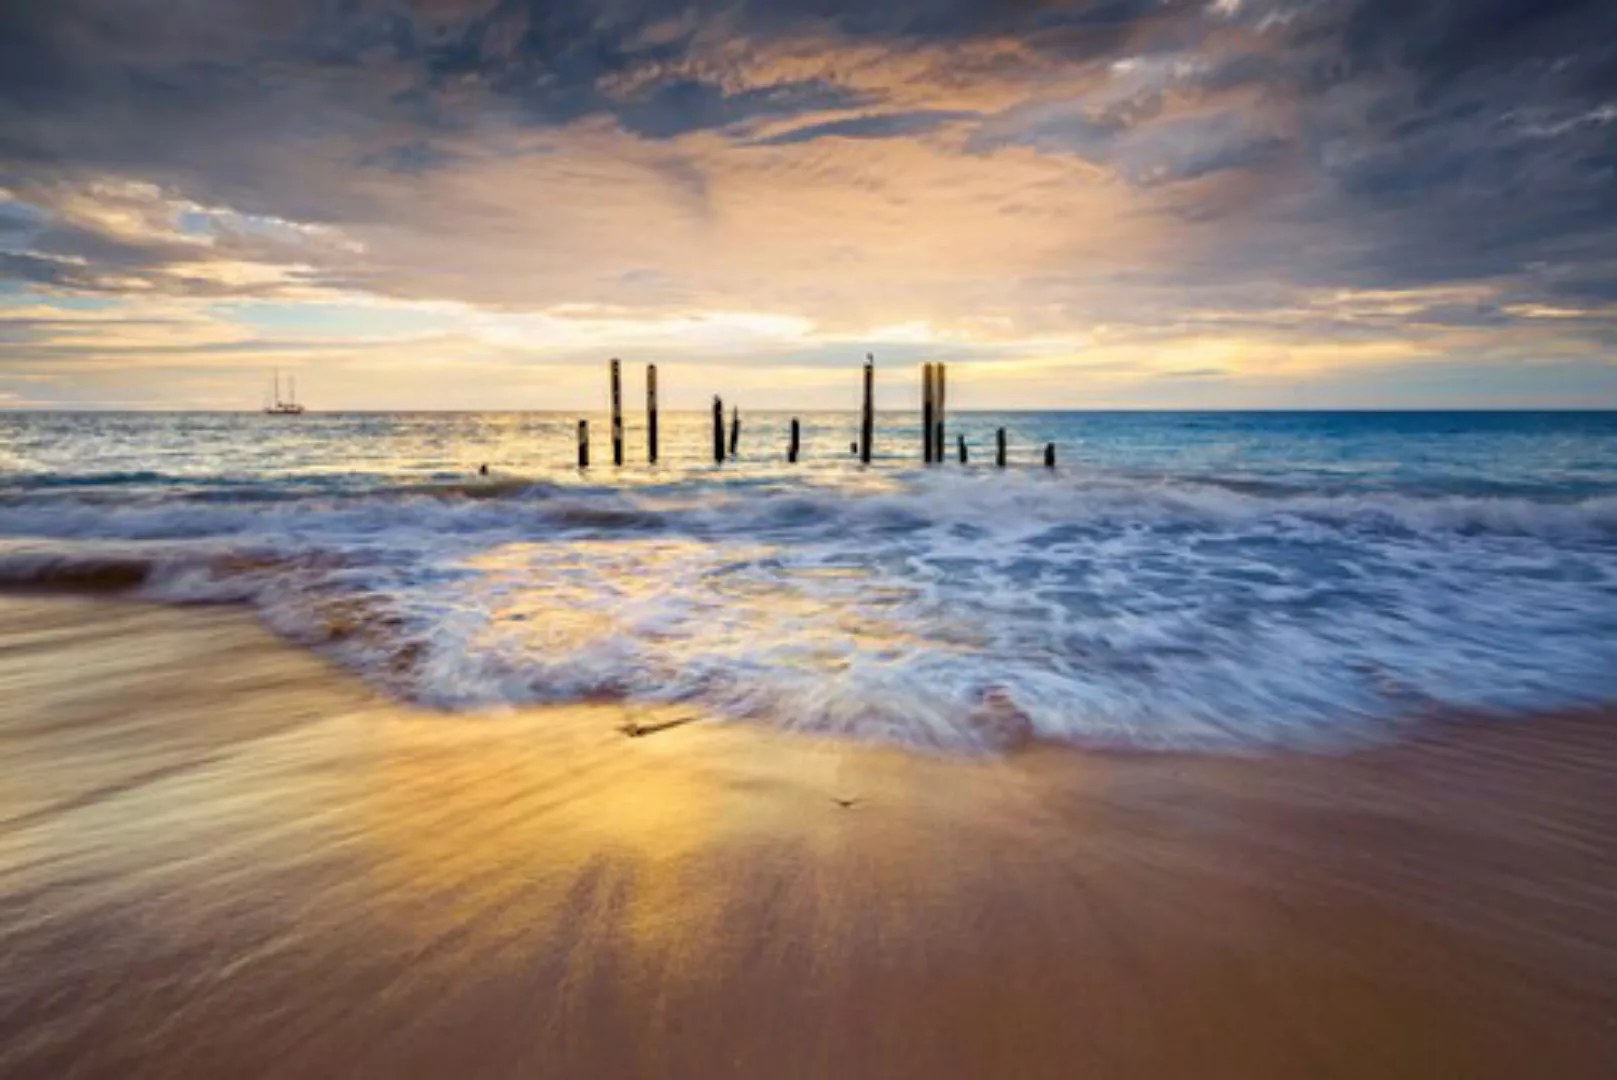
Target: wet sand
{"points": [[220, 857]]}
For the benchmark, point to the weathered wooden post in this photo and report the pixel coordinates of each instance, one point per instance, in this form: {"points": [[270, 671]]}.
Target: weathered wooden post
{"points": [[651, 413], [867, 424], [999, 455], [1049, 455], [583, 444], [928, 410], [617, 413], [735, 430], [718, 430], [938, 410], [962, 440], [791, 450]]}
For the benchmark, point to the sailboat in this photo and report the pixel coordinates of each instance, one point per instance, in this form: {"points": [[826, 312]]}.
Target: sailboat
{"points": [[290, 407]]}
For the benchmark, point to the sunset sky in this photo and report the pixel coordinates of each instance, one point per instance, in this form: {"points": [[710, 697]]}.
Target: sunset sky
{"points": [[1109, 203]]}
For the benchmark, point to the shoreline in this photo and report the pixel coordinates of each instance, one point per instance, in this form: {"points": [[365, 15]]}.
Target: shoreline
{"points": [[219, 854], [116, 580]]}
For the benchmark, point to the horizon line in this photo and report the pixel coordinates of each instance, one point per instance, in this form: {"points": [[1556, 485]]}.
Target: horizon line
{"points": [[853, 411]]}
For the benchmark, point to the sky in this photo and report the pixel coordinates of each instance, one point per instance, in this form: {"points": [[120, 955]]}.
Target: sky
{"points": [[1075, 203]]}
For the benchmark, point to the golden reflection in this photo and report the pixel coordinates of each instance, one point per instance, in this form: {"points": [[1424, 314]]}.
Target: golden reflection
{"points": [[487, 829]]}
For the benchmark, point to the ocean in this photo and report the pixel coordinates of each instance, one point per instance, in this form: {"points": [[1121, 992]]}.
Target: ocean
{"points": [[1227, 582]]}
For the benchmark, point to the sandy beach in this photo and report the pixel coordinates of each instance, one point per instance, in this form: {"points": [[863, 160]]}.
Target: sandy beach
{"points": [[221, 857]]}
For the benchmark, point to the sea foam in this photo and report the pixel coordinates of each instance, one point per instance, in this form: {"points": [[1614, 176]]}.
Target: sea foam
{"points": [[1100, 608]]}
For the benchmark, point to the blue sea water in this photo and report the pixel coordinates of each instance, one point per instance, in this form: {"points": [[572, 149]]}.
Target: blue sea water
{"points": [[1222, 581]]}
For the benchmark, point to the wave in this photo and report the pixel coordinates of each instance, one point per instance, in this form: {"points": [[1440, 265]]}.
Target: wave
{"points": [[90, 574], [26, 481], [963, 610], [1012, 503]]}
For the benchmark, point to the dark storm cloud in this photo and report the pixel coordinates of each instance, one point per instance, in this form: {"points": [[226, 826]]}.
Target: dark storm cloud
{"points": [[32, 269], [1448, 41], [411, 159], [1456, 138], [1591, 283], [1128, 141], [551, 57], [115, 70], [20, 224]]}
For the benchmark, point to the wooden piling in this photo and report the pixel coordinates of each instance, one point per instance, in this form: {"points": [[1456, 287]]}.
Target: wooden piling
{"points": [[651, 413], [1049, 455], [867, 424], [928, 410], [583, 444], [999, 453], [962, 441], [938, 411], [796, 443], [735, 430], [617, 413], [718, 430]]}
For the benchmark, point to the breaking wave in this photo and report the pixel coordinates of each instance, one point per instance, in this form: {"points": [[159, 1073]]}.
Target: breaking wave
{"points": [[957, 609]]}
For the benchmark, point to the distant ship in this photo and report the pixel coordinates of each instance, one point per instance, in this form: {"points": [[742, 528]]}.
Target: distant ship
{"points": [[289, 407]]}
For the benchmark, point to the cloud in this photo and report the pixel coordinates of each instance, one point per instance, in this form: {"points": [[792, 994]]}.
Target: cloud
{"points": [[134, 237], [411, 158], [667, 109], [25, 266], [20, 224], [1152, 182], [872, 126], [1144, 152]]}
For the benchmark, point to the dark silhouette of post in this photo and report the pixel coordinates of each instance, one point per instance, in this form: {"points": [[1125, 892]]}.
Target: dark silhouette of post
{"points": [[867, 423], [651, 413], [1049, 455], [938, 410], [962, 440], [617, 413], [928, 410], [999, 453], [583, 444], [735, 430], [718, 430], [796, 443]]}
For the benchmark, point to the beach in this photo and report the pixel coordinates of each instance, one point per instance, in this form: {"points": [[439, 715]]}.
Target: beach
{"points": [[221, 855]]}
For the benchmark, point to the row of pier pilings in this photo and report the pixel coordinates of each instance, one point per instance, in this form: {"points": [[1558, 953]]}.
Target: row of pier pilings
{"points": [[726, 444]]}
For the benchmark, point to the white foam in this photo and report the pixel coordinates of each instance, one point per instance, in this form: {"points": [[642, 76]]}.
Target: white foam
{"points": [[1107, 612]]}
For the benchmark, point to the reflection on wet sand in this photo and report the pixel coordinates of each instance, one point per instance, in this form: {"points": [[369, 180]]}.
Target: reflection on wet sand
{"points": [[220, 857]]}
